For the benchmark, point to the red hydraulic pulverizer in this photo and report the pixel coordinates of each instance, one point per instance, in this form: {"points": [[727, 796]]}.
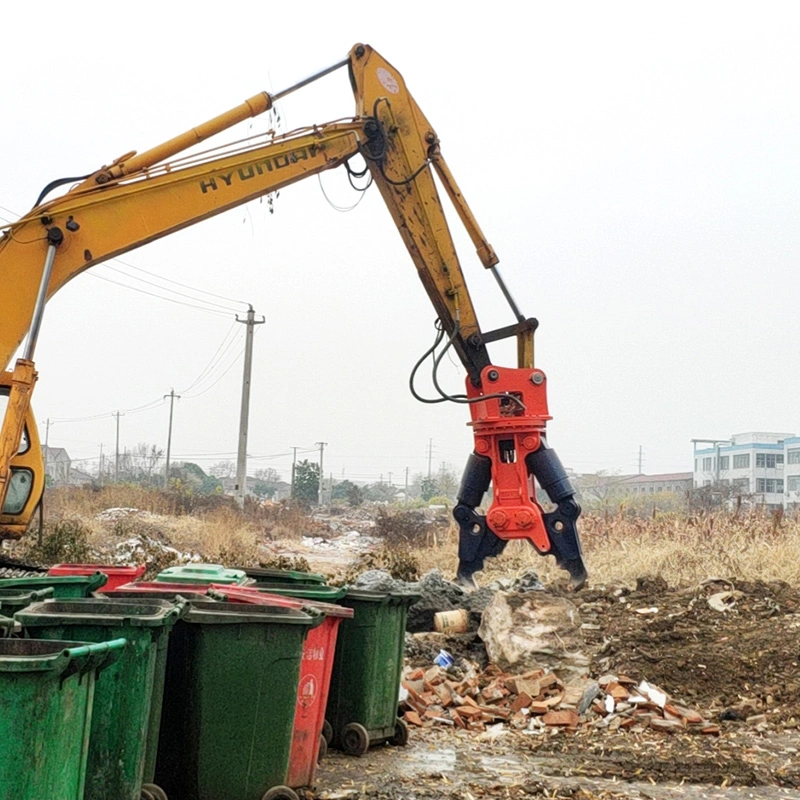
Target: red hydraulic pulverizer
{"points": [[509, 414]]}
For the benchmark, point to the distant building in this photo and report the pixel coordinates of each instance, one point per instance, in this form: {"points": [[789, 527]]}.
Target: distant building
{"points": [[674, 482], [756, 463], [282, 489], [792, 471], [605, 487], [57, 464]]}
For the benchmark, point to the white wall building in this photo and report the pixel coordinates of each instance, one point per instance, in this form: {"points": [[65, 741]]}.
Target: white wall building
{"points": [[752, 463], [792, 471]]}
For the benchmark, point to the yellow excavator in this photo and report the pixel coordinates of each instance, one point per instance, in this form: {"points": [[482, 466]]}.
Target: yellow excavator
{"points": [[141, 197]]}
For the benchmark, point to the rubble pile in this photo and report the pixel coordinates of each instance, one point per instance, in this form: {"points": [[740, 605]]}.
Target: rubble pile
{"points": [[536, 700]]}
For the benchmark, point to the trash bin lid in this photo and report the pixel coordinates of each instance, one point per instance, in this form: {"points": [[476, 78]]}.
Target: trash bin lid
{"points": [[159, 589], [97, 611], [201, 573], [392, 597], [306, 591], [220, 613], [40, 655], [272, 575], [250, 594], [17, 596], [91, 582], [88, 569]]}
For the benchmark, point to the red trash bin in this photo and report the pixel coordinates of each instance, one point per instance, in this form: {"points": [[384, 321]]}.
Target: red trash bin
{"points": [[308, 743], [190, 591], [116, 575]]}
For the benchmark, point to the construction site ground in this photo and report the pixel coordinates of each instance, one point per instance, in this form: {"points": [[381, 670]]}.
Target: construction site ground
{"points": [[738, 667]]}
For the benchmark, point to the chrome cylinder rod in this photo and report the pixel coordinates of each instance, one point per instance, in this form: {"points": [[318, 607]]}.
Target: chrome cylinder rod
{"points": [[54, 236], [310, 79], [507, 294]]}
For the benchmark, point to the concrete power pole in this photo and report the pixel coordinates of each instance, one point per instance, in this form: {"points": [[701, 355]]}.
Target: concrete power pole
{"points": [[321, 446], [116, 452], [46, 448], [241, 460], [294, 467], [172, 397]]}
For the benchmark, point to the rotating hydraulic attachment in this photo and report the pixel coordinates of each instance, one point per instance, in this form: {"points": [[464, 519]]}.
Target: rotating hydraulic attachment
{"points": [[511, 453]]}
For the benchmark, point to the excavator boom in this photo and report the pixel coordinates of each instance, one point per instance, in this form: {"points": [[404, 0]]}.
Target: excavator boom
{"points": [[140, 198]]}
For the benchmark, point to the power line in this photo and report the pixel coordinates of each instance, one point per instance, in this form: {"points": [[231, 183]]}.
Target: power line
{"points": [[227, 370], [160, 297], [167, 289], [216, 357], [178, 283]]}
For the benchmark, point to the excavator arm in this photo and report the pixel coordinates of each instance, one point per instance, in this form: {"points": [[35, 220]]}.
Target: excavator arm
{"points": [[142, 197]]}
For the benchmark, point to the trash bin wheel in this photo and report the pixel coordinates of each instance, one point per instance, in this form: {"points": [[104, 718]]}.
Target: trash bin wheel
{"points": [[280, 793], [323, 748], [400, 738], [156, 791], [327, 731], [355, 739]]}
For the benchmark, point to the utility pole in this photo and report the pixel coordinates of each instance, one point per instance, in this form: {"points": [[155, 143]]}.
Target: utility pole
{"points": [[294, 465], [430, 455], [640, 459], [406, 483], [172, 397], [101, 468], [390, 479], [116, 452], [321, 446], [46, 447], [241, 460]]}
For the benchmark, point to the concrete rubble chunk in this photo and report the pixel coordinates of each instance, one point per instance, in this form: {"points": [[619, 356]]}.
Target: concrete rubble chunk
{"points": [[534, 630]]}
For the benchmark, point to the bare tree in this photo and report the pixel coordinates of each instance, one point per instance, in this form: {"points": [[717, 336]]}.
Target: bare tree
{"points": [[223, 469]]}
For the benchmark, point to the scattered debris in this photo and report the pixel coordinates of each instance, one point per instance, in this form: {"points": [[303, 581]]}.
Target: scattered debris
{"points": [[538, 699], [532, 629], [724, 601], [451, 621]]}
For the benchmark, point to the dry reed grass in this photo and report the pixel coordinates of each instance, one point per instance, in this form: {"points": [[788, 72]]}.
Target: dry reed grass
{"points": [[751, 545]]}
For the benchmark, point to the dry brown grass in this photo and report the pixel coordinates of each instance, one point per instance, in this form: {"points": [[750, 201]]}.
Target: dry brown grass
{"points": [[618, 549]]}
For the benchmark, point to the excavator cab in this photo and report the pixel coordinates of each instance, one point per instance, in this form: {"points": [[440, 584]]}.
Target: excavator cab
{"points": [[26, 471]]}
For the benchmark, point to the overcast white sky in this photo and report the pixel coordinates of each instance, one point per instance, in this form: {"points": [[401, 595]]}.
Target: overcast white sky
{"points": [[635, 166]]}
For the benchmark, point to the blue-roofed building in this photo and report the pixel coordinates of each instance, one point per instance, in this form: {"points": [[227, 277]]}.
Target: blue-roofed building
{"points": [[754, 463]]}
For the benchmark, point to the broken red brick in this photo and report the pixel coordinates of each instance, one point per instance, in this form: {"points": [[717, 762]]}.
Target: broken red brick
{"points": [[566, 718], [520, 701]]}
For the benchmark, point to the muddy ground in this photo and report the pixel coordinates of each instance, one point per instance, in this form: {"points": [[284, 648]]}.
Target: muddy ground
{"points": [[739, 667]]}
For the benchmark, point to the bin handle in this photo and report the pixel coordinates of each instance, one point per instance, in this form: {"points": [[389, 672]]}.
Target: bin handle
{"points": [[180, 608], [96, 656]]}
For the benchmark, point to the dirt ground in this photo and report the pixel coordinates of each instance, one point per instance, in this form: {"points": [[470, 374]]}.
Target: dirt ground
{"points": [[739, 667]]}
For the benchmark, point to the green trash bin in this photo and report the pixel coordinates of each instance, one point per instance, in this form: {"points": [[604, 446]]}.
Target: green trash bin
{"points": [[46, 693], [13, 600], [362, 703], [159, 676], [123, 695], [63, 586], [303, 591], [229, 702], [202, 573], [270, 575]]}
